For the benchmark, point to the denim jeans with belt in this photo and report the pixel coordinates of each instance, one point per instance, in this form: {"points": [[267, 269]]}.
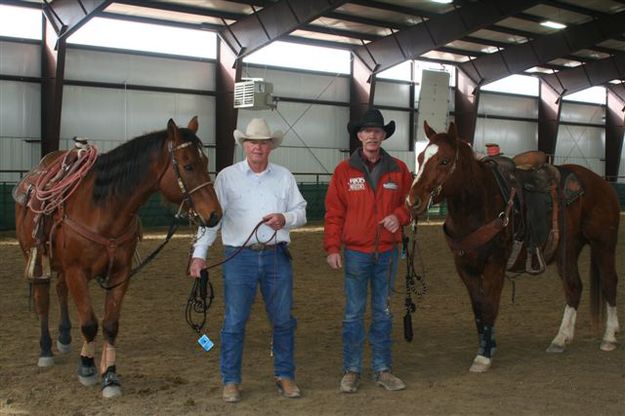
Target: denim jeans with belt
{"points": [[362, 269], [271, 269]]}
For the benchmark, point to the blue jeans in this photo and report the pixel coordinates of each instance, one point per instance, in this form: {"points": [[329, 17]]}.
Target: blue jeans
{"points": [[242, 274], [360, 270]]}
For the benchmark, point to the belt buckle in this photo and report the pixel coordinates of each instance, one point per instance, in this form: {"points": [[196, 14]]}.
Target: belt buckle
{"points": [[256, 247]]}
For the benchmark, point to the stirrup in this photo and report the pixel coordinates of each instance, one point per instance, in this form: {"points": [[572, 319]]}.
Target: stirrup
{"points": [[37, 267], [517, 245], [541, 262]]}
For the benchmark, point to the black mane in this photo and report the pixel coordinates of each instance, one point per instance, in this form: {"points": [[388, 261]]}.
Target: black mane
{"points": [[120, 171]]}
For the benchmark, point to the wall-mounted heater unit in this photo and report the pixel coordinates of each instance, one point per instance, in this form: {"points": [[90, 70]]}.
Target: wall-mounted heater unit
{"points": [[253, 94]]}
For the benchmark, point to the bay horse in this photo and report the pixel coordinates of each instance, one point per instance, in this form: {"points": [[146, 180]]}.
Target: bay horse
{"points": [[449, 170], [94, 233]]}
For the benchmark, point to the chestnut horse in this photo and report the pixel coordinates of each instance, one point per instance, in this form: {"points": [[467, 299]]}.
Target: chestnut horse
{"points": [[95, 231], [449, 170]]}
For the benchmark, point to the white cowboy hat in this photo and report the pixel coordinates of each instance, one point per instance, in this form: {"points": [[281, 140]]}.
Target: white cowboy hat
{"points": [[258, 129]]}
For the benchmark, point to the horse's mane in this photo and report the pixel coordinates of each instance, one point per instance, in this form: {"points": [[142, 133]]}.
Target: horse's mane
{"points": [[121, 170]]}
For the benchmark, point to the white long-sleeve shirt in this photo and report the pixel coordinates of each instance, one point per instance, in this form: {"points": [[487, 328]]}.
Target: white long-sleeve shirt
{"points": [[245, 198]]}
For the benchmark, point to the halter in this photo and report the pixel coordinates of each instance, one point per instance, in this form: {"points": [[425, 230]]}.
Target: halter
{"points": [[186, 195]]}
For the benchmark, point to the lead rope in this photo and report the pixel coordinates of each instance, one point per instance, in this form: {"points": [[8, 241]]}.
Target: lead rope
{"points": [[412, 278]]}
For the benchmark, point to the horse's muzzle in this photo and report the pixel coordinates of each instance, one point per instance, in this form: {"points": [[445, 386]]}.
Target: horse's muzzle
{"points": [[213, 220]]}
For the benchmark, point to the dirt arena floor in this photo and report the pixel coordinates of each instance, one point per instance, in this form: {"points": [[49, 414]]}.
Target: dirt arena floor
{"points": [[165, 372]]}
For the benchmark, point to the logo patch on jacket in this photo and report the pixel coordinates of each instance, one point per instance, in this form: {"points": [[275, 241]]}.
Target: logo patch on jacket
{"points": [[357, 184], [390, 185]]}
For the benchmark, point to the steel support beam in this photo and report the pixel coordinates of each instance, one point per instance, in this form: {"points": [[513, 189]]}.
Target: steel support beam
{"points": [[228, 72], [593, 73], [466, 97], [361, 93], [614, 130], [274, 21], [436, 32], [66, 16], [518, 58], [52, 76], [549, 109]]}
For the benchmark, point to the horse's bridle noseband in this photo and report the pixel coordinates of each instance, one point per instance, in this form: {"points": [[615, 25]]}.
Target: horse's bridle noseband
{"points": [[186, 195]]}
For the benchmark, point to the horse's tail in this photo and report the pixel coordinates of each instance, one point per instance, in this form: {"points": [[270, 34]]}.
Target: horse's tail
{"points": [[597, 299]]}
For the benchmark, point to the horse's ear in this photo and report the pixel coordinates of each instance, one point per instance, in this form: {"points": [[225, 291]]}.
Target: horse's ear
{"points": [[193, 125], [429, 131], [172, 130], [452, 132]]}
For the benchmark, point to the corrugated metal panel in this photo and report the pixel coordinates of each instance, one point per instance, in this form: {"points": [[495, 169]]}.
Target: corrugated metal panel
{"points": [[102, 113], [392, 93], [305, 125], [20, 109], [400, 140], [580, 142], [300, 84], [505, 105], [512, 136], [582, 113], [17, 154], [21, 59], [102, 66]]}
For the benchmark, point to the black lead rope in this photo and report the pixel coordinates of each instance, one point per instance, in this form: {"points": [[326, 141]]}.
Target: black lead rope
{"points": [[411, 284], [200, 299]]}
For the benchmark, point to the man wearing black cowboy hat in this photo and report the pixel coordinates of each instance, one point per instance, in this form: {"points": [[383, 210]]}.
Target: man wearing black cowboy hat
{"points": [[365, 211]]}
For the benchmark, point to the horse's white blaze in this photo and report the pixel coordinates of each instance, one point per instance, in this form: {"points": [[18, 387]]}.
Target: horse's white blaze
{"points": [[567, 327], [428, 153]]}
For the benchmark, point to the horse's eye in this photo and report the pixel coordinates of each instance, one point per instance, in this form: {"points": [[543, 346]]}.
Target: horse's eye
{"points": [[188, 168], [445, 162]]}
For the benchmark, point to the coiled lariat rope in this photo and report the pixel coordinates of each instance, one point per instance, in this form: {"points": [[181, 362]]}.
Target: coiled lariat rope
{"points": [[61, 179], [202, 294]]}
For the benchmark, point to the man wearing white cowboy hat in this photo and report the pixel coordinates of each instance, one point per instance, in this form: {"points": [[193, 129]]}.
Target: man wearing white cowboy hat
{"points": [[365, 210], [249, 192]]}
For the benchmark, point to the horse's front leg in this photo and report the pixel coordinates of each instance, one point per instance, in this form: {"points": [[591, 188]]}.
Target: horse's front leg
{"points": [[485, 293], [111, 386], [76, 282], [65, 338]]}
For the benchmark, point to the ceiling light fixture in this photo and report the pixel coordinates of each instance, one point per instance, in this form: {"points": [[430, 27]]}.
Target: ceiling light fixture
{"points": [[552, 25], [442, 1]]}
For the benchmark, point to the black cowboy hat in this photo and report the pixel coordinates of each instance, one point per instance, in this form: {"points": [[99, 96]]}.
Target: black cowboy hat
{"points": [[372, 118]]}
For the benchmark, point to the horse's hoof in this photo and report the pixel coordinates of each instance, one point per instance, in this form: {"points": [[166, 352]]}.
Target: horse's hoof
{"points": [[88, 381], [480, 364], [555, 348], [607, 346], [44, 362], [63, 348], [110, 392], [87, 375]]}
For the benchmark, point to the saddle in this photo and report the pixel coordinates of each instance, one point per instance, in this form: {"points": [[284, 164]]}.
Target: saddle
{"points": [[43, 190], [541, 190]]}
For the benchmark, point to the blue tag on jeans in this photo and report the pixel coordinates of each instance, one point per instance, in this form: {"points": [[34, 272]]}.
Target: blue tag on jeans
{"points": [[205, 342]]}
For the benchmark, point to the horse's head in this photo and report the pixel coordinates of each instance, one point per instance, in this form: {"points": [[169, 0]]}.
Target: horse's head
{"points": [[437, 163], [187, 180]]}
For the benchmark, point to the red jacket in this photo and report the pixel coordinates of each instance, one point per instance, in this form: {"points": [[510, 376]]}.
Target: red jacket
{"points": [[354, 209]]}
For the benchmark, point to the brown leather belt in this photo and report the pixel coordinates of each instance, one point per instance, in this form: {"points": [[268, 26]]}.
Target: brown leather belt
{"points": [[262, 247]]}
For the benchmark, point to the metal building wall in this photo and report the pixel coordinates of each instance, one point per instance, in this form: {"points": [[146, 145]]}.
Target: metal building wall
{"points": [[20, 108], [110, 97]]}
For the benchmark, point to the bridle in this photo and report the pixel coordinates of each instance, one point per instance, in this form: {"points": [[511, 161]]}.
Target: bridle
{"points": [[186, 194], [437, 190]]}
